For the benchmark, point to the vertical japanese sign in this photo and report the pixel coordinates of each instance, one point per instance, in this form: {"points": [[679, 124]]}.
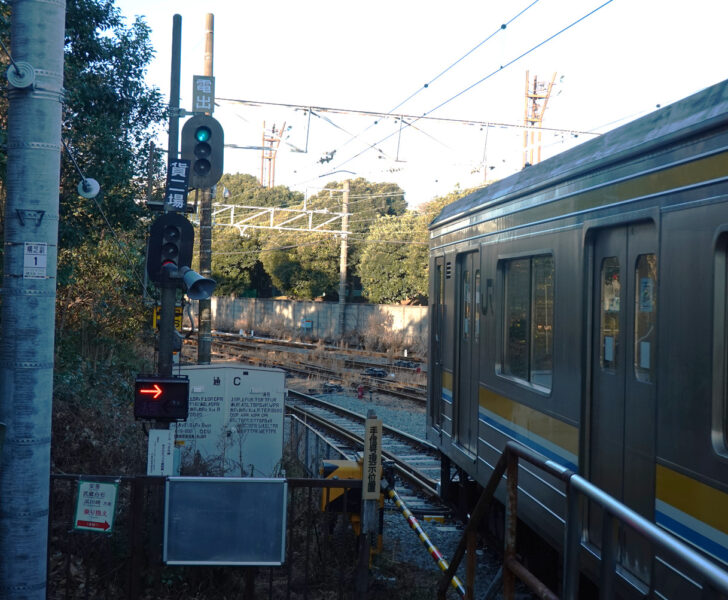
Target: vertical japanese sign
{"points": [[178, 178], [95, 506], [203, 94], [372, 467]]}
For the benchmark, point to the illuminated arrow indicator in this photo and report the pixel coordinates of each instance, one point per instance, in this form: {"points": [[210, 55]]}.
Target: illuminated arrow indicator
{"points": [[161, 398], [156, 391]]}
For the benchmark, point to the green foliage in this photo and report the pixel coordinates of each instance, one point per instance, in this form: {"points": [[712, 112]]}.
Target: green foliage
{"points": [[109, 118], [99, 309], [300, 265], [235, 263], [236, 260], [393, 265], [394, 255]]}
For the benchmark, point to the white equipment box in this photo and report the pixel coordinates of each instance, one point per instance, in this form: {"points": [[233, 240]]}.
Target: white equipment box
{"points": [[235, 423]]}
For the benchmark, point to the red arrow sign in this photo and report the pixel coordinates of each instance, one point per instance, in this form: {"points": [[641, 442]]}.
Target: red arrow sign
{"points": [[156, 390], [93, 524]]}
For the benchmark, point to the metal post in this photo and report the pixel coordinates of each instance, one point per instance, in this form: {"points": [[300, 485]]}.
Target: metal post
{"points": [[204, 333], [343, 262], [509, 580], [173, 142], [571, 546], [166, 326], [169, 288], [29, 296]]}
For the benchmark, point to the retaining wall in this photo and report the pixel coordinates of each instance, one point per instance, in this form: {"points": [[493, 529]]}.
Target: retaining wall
{"points": [[319, 320]]}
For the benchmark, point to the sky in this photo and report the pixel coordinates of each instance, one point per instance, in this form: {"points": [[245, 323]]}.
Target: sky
{"points": [[456, 72]]}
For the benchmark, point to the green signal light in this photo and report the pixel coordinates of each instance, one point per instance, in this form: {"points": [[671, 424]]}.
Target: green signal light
{"points": [[202, 134]]}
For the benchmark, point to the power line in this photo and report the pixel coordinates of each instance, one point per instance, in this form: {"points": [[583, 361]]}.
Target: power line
{"points": [[501, 68], [424, 117], [464, 56]]}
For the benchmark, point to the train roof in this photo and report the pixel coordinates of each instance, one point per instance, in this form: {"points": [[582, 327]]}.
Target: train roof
{"points": [[699, 112]]}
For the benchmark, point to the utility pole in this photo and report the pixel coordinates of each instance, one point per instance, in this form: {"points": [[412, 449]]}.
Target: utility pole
{"points": [[536, 102], [35, 93], [271, 141], [204, 333], [167, 331], [343, 261]]}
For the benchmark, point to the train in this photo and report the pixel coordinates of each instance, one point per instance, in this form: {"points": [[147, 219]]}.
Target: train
{"points": [[580, 307]]}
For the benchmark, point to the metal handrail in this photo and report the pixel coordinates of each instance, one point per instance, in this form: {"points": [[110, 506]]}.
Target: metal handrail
{"points": [[714, 578]]}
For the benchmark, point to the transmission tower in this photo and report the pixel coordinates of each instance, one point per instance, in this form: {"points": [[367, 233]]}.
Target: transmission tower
{"points": [[537, 97], [271, 141]]}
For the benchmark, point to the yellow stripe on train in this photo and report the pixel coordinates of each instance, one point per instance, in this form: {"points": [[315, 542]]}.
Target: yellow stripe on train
{"points": [[692, 497], [525, 418]]}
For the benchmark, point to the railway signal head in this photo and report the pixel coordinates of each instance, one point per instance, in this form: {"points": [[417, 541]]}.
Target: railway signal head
{"points": [[171, 241], [203, 145], [161, 398]]}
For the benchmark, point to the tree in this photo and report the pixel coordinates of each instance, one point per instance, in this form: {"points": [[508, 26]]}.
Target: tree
{"points": [[300, 264], [394, 255], [109, 117], [236, 260], [393, 263]]}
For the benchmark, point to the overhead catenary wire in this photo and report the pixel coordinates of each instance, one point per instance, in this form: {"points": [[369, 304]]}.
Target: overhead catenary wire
{"points": [[429, 83], [487, 77]]}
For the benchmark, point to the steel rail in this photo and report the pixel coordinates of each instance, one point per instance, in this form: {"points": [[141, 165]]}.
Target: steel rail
{"points": [[404, 469]]}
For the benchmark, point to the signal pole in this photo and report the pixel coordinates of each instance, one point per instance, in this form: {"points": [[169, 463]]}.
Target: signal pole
{"points": [[167, 331], [204, 333], [35, 93]]}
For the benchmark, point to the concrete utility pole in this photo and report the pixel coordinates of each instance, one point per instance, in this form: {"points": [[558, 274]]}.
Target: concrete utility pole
{"points": [[167, 331], [343, 261], [29, 292], [204, 333]]}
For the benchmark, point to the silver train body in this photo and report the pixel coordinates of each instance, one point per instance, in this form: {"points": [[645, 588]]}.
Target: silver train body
{"points": [[581, 307]]}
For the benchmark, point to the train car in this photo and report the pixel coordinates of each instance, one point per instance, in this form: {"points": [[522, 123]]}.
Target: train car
{"points": [[580, 307]]}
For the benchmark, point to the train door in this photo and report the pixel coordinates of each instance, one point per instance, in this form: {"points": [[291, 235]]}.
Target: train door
{"points": [[468, 346], [437, 316], [622, 428]]}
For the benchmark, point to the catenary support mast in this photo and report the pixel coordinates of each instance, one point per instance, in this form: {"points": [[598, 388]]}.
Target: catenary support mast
{"points": [[29, 292]]}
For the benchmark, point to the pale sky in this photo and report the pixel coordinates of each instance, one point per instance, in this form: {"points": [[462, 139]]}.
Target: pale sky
{"points": [[617, 64]]}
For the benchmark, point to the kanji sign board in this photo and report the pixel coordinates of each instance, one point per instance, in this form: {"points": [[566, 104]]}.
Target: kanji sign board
{"points": [[372, 467], [178, 181], [95, 506], [203, 94]]}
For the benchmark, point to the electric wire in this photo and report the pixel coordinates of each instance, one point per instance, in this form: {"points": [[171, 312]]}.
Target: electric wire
{"points": [[108, 223], [501, 68], [429, 83], [463, 57]]}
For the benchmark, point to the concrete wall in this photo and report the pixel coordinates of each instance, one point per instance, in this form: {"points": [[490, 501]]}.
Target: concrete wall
{"points": [[409, 323]]}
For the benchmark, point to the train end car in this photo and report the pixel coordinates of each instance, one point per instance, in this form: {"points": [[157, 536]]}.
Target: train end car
{"points": [[580, 307]]}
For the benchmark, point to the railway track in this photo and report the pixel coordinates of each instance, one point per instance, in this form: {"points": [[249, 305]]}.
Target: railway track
{"points": [[331, 364], [416, 462]]}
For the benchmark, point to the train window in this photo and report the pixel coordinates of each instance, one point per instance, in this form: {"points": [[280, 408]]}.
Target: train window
{"points": [[645, 317], [529, 315], [609, 335]]}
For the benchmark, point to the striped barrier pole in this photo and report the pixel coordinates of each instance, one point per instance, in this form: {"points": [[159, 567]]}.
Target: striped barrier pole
{"points": [[431, 548]]}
